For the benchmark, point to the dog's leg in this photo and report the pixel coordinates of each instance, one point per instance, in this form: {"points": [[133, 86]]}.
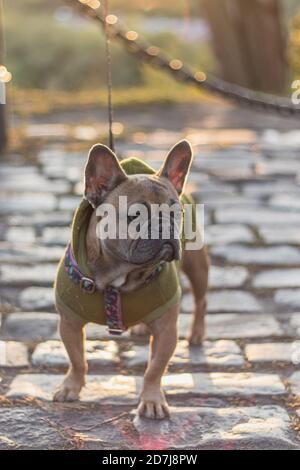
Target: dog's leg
{"points": [[73, 335], [195, 265], [139, 330], [153, 403]]}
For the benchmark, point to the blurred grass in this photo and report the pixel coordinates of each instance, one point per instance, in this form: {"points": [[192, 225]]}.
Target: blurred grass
{"points": [[43, 52], [29, 102]]}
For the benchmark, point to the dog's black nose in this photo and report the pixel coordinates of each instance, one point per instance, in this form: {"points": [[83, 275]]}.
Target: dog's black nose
{"points": [[171, 250]]}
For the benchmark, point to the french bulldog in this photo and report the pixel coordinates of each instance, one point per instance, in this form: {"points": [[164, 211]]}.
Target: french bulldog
{"points": [[124, 262]]}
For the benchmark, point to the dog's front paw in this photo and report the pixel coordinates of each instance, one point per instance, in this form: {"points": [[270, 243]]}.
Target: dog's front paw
{"points": [[69, 390], [196, 337], [197, 332], [153, 405]]}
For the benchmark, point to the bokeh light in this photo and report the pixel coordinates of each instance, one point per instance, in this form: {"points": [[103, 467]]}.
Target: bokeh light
{"points": [[132, 35], [176, 64], [200, 76], [117, 128], [111, 19]]}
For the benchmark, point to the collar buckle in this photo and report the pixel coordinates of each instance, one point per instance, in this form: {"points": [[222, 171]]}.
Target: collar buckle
{"points": [[87, 285], [115, 331]]}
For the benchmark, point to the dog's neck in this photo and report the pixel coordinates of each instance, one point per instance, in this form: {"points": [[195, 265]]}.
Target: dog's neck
{"points": [[109, 270]]}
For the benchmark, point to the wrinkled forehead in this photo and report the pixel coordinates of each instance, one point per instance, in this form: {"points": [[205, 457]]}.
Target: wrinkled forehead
{"points": [[142, 188]]}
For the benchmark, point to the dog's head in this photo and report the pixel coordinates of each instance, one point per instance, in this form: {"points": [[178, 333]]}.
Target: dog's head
{"points": [[146, 242]]}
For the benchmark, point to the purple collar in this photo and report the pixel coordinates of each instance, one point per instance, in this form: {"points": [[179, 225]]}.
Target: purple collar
{"points": [[111, 295]]}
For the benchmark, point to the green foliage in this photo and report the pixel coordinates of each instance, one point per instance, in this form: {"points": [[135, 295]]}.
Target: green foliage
{"points": [[44, 53]]}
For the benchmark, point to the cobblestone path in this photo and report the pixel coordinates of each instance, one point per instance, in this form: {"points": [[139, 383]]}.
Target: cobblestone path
{"points": [[242, 389]]}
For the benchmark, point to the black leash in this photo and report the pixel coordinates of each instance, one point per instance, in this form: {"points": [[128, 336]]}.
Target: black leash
{"points": [[108, 76]]}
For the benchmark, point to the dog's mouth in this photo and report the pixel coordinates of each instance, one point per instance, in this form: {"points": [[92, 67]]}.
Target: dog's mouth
{"points": [[169, 251], [143, 252]]}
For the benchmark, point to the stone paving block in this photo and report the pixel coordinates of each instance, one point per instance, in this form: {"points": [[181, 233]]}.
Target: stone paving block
{"points": [[255, 427], [280, 234], [107, 389], [289, 297], [222, 234], [256, 216], [267, 188], [229, 200], [29, 253], [281, 167], [20, 235], [36, 274], [294, 381], [25, 326], [234, 276], [25, 427], [13, 354], [285, 201], [269, 352], [277, 255], [42, 219], [277, 138], [277, 278], [234, 325], [53, 354], [56, 235], [68, 203], [26, 203], [34, 298], [295, 323], [217, 353], [125, 389], [232, 300], [7, 170], [34, 183]]}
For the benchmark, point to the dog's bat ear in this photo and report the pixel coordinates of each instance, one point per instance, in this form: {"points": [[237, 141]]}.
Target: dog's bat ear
{"points": [[177, 164], [102, 174]]}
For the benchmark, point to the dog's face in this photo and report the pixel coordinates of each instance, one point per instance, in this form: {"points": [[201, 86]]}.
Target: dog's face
{"points": [[105, 182]]}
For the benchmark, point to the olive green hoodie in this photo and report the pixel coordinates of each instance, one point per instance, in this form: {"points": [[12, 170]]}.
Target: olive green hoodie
{"points": [[141, 305]]}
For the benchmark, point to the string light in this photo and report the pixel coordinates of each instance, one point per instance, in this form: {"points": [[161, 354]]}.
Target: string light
{"points": [[153, 50], [131, 35], [111, 19], [200, 76], [94, 4], [176, 64]]}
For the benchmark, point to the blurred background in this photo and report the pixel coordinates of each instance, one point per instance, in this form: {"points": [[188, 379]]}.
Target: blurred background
{"points": [[56, 57]]}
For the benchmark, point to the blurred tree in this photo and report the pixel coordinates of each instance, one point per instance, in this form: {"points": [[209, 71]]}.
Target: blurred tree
{"points": [[249, 42], [3, 130]]}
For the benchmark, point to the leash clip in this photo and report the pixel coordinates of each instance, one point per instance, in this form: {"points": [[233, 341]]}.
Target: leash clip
{"points": [[115, 331], [87, 285]]}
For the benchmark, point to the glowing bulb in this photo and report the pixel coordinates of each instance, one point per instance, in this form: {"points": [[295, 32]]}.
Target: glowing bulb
{"points": [[111, 19], [200, 76], [153, 50], [176, 64], [132, 35], [94, 4], [117, 128]]}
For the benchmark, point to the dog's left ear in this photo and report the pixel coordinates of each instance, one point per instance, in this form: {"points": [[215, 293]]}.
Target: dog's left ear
{"points": [[177, 164], [102, 174]]}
